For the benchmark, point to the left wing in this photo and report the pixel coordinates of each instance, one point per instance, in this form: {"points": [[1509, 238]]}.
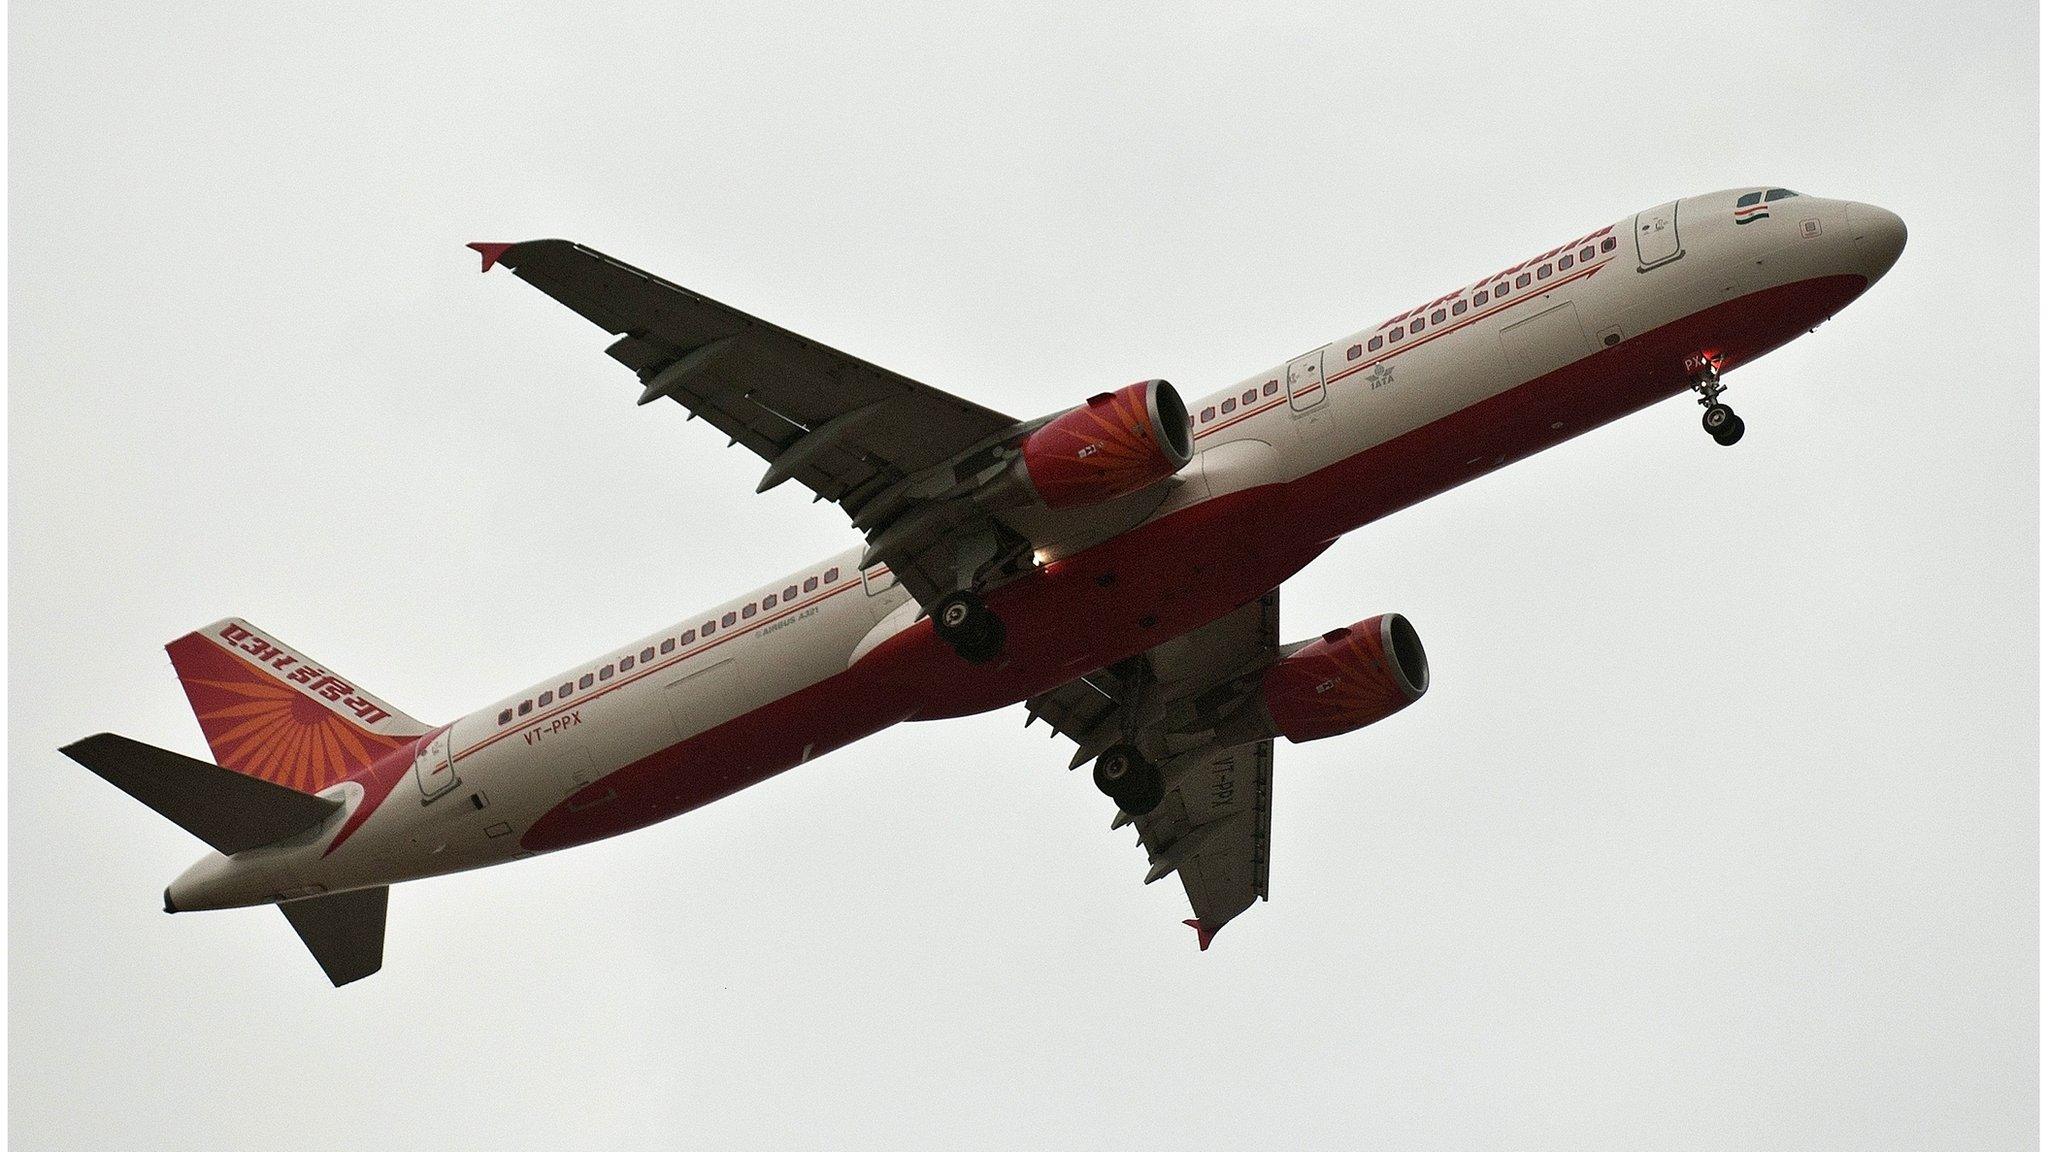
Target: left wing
{"points": [[897, 455], [1177, 703]]}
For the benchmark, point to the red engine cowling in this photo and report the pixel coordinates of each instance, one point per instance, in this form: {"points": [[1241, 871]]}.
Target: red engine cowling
{"points": [[1114, 445], [1350, 678]]}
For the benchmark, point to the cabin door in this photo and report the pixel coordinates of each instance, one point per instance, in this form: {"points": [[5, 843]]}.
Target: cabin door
{"points": [[1657, 236]]}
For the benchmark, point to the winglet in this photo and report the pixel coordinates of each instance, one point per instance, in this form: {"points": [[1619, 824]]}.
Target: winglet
{"points": [[491, 253], [1203, 935]]}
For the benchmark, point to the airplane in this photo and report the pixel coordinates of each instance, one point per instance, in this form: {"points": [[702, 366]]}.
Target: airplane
{"points": [[1115, 567]]}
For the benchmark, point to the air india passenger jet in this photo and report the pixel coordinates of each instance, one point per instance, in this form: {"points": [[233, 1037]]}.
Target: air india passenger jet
{"points": [[1114, 567]]}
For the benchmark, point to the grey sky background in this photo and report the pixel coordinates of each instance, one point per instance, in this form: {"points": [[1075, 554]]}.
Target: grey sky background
{"points": [[1717, 829]]}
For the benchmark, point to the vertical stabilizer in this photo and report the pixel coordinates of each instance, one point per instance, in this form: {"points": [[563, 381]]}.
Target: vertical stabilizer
{"points": [[272, 713]]}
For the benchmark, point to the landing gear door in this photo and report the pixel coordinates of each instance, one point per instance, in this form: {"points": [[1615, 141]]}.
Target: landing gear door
{"points": [[1305, 382], [434, 768], [1657, 237]]}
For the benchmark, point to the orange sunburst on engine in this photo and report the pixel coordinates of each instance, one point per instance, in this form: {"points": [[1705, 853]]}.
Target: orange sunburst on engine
{"points": [[1115, 444], [1350, 678]]}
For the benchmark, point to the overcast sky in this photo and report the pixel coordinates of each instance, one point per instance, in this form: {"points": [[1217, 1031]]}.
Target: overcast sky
{"points": [[1717, 829]]}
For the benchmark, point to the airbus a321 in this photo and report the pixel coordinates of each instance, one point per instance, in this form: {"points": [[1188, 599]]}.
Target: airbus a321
{"points": [[1114, 567]]}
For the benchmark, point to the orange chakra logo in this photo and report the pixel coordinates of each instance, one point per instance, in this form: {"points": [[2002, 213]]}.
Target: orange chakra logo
{"points": [[267, 729]]}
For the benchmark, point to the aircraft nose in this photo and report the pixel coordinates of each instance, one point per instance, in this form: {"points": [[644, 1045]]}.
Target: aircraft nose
{"points": [[1878, 236]]}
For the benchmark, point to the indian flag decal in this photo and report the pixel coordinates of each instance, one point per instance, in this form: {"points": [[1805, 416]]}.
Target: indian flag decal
{"points": [[1751, 207]]}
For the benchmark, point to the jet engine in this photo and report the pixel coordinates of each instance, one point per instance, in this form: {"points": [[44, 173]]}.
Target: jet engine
{"points": [[1115, 444], [1349, 678]]}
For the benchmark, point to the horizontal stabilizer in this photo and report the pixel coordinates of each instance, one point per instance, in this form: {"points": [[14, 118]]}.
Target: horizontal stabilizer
{"points": [[230, 811], [345, 931]]}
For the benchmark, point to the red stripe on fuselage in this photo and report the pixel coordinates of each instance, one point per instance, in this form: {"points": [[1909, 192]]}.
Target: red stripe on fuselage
{"points": [[1406, 346], [585, 696]]}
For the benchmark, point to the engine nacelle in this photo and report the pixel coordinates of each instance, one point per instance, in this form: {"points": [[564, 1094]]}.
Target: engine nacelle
{"points": [[1350, 678], [1116, 444]]}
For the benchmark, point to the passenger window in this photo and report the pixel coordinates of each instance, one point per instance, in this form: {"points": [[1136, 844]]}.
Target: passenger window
{"points": [[1479, 298], [1353, 352], [1585, 253], [1396, 334], [586, 680], [1415, 326], [668, 646], [710, 626], [811, 585], [1229, 406], [546, 698], [831, 574], [1607, 245], [1543, 273], [1457, 307], [646, 654], [747, 613], [689, 636], [729, 619], [525, 706], [1273, 386], [1522, 281], [505, 717], [1500, 290], [562, 693], [1748, 198], [1250, 397], [625, 663], [605, 673], [789, 593], [768, 601], [1564, 262], [1373, 345], [1208, 414], [1437, 317]]}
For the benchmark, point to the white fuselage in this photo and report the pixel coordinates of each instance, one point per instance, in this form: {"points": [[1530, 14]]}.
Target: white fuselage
{"points": [[1446, 392]]}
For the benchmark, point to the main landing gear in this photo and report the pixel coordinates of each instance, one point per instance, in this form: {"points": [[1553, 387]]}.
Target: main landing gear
{"points": [[963, 621], [1719, 420], [1129, 779]]}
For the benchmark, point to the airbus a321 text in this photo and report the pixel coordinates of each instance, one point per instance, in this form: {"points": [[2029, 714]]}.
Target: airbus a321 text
{"points": [[1114, 567]]}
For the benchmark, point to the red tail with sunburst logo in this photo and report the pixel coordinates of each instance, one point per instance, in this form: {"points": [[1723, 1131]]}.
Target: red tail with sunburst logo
{"points": [[270, 712]]}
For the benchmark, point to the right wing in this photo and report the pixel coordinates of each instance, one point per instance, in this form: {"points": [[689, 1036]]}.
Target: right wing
{"points": [[897, 455], [1178, 702]]}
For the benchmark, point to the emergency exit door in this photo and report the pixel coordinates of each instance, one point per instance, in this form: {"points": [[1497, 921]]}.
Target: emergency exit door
{"points": [[434, 768], [1305, 382]]}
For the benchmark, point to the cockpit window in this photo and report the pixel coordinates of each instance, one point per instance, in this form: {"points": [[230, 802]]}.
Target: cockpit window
{"points": [[1779, 194], [1748, 198]]}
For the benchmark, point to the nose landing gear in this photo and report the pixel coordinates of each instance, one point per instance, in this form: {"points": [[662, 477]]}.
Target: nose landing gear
{"points": [[1719, 420]]}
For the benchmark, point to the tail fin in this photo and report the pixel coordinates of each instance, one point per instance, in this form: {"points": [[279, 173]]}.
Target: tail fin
{"points": [[344, 932], [271, 713], [231, 812]]}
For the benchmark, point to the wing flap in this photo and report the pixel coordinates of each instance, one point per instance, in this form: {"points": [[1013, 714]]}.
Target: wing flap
{"points": [[772, 391], [1214, 826]]}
